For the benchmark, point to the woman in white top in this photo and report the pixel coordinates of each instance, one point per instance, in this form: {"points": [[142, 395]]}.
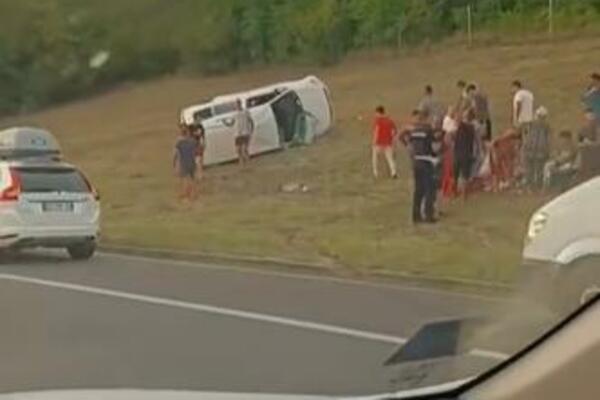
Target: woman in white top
{"points": [[449, 126]]}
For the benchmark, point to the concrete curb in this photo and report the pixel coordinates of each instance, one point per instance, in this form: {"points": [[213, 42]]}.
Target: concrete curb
{"points": [[217, 258], [470, 285], [326, 270]]}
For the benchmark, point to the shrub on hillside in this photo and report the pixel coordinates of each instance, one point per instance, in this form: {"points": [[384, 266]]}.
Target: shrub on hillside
{"points": [[46, 47]]}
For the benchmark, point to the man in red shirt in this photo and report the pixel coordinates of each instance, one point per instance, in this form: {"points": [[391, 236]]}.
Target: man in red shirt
{"points": [[384, 133]]}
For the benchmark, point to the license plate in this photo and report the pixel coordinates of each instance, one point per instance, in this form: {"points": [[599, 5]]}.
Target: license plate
{"points": [[57, 207]]}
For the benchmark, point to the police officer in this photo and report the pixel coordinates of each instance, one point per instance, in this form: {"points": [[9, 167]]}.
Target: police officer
{"points": [[419, 138]]}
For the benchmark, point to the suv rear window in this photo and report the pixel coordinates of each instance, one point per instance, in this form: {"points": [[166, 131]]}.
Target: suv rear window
{"points": [[52, 180]]}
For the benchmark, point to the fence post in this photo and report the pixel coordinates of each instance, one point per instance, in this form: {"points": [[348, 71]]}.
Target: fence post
{"points": [[551, 18], [469, 26], [399, 31]]}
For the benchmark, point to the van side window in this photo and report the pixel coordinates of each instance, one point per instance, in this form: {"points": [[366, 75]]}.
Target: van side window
{"points": [[261, 99], [203, 114], [224, 108]]}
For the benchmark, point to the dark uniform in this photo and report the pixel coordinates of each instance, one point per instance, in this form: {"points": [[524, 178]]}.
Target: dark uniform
{"points": [[464, 150], [420, 138]]}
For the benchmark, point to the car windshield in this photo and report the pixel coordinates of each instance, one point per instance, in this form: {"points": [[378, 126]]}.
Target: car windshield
{"points": [[407, 196]]}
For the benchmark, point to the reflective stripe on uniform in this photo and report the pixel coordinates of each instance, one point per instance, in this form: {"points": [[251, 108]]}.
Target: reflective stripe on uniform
{"points": [[426, 158]]}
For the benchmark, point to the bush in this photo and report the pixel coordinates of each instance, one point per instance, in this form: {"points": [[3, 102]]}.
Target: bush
{"points": [[45, 47]]}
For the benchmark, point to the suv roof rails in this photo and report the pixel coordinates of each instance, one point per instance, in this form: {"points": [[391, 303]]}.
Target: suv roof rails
{"points": [[25, 142], [31, 155]]}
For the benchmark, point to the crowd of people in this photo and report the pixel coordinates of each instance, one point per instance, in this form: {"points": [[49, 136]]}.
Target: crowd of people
{"points": [[454, 152], [188, 156]]}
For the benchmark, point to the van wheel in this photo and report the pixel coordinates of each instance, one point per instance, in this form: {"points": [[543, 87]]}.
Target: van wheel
{"points": [[580, 283], [82, 251]]}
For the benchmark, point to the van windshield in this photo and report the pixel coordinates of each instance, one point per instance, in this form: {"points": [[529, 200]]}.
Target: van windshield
{"points": [[35, 180]]}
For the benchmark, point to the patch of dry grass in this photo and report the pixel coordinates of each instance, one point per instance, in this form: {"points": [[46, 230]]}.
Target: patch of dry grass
{"points": [[124, 141]]}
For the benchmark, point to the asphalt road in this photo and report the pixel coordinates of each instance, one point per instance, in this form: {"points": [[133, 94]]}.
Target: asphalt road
{"points": [[129, 322]]}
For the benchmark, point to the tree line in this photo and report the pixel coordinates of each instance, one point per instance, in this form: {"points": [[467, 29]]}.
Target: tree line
{"points": [[56, 50]]}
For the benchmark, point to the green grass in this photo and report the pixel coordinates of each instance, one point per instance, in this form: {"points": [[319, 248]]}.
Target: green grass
{"points": [[347, 220]]}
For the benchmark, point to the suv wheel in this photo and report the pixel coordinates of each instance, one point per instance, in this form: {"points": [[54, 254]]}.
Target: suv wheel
{"points": [[82, 251], [581, 283]]}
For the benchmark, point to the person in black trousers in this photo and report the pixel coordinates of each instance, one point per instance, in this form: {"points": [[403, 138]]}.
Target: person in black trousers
{"points": [[464, 153], [420, 138]]}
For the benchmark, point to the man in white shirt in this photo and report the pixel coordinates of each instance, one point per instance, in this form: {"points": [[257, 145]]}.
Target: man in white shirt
{"points": [[522, 114], [243, 129]]}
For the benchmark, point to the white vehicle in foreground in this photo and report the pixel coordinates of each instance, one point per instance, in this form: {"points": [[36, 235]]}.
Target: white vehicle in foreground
{"points": [[281, 113], [44, 202], [562, 248]]}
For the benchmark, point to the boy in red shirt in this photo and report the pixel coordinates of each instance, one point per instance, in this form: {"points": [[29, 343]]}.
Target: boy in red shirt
{"points": [[384, 132]]}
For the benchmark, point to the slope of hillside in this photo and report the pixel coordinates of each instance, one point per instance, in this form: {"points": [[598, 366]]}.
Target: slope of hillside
{"points": [[124, 141]]}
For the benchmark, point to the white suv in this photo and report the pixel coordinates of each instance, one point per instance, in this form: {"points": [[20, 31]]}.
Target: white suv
{"points": [[562, 248], [45, 202]]}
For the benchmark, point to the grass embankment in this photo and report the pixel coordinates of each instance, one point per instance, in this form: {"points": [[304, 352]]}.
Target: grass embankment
{"points": [[124, 139]]}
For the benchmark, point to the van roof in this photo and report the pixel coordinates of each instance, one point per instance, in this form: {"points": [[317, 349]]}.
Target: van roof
{"points": [[186, 115], [282, 86]]}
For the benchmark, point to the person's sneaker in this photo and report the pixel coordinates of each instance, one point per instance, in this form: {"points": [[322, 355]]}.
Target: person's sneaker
{"points": [[395, 176], [431, 221]]}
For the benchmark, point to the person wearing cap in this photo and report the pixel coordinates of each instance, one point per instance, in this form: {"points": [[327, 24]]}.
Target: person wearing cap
{"points": [[591, 97], [536, 149]]}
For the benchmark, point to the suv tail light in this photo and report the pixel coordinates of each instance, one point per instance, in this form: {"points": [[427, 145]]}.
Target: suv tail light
{"points": [[91, 187], [13, 190]]}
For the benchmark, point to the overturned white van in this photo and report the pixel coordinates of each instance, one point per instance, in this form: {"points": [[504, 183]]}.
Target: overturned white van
{"points": [[282, 113]]}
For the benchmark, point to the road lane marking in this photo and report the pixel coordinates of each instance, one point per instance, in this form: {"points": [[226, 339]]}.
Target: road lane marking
{"points": [[303, 276], [230, 312]]}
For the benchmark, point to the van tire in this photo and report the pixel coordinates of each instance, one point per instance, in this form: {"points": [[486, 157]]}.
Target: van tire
{"points": [[580, 280], [82, 251]]}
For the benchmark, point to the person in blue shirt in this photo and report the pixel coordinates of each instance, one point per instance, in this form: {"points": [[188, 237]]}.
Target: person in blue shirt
{"points": [[184, 162]]}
